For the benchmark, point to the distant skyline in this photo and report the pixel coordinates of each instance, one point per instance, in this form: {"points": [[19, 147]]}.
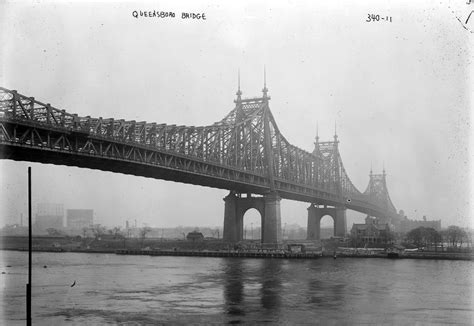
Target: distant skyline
{"points": [[400, 95]]}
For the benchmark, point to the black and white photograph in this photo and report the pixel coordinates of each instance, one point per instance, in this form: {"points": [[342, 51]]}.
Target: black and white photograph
{"points": [[236, 162]]}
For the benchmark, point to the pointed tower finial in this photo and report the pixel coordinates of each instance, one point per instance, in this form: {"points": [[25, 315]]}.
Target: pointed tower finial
{"points": [[239, 92], [383, 168], [238, 77], [264, 76], [317, 132], [264, 90], [370, 174], [335, 131]]}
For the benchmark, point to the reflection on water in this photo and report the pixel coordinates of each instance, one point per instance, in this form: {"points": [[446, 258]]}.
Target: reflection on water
{"points": [[270, 277], [113, 289], [234, 287], [245, 280]]}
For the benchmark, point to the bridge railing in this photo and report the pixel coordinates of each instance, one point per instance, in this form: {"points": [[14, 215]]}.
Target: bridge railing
{"points": [[16, 106]]}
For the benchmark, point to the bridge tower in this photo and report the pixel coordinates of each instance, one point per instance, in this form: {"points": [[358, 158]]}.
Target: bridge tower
{"points": [[377, 191], [269, 204], [327, 152]]}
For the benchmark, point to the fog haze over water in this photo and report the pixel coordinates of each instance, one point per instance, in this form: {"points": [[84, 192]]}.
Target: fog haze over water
{"points": [[398, 91]]}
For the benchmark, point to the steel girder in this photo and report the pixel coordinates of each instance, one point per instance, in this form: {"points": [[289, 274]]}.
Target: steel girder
{"points": [[244, 151]]}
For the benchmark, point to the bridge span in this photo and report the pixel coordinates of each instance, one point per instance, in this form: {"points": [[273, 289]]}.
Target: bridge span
{"points": [[244, 153]]}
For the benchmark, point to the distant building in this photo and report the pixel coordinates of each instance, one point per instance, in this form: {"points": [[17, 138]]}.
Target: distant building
{"points": [[48, 216], [79, 218], [371, 232], [403, 224], [407, 225], [49, 209], [195, 236]]}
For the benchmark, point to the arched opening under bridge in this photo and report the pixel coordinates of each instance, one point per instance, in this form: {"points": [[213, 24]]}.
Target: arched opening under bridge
{"points": [[327, 227], [315, 215], [252, 222]]}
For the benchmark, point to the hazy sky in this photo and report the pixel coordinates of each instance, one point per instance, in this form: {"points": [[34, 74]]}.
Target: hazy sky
{"points": [[400, 93]]}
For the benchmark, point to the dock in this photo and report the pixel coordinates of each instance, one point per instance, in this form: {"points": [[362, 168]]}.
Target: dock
{"points": [[231, 253]]}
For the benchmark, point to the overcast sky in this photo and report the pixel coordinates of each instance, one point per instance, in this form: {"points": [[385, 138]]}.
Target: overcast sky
{"points": [[400, 93]]}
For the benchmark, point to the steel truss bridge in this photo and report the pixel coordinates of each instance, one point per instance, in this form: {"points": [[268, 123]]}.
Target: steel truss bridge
{"points": [[244, 152]]}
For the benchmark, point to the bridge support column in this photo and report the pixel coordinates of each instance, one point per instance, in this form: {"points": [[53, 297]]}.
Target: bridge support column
{"points": [[231, 223], [340, 223], [315, 214], [314, 230], [235, 207], [271, 225]]}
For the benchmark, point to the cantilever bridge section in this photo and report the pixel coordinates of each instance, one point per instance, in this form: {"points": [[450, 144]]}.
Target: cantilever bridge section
{"points": [[244, 153]]}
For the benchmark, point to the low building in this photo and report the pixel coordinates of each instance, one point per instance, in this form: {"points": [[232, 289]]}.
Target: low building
{"points": [[195, 236], [371, 232]]}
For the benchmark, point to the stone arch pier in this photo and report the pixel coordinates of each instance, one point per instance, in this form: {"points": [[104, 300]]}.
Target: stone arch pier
{"points": [[269, 208], [316, 212]]}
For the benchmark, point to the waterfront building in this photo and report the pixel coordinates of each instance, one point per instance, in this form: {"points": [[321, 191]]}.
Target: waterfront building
{"points": [[372, 231]]}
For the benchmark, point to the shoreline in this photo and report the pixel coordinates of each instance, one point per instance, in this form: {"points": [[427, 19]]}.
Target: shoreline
{"points": [[254, 254]]}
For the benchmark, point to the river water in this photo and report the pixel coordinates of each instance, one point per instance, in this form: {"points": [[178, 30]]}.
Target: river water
{"points": [[136, 290]]}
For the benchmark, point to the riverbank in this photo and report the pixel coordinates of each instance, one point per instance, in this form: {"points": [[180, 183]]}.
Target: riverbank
{"points": [[283, 254], [208, 248], [277, 254], [230, 253]]}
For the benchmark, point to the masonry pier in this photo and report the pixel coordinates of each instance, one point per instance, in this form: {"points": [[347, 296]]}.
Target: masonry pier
{"points": [[316, 212], [268, 206]]}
